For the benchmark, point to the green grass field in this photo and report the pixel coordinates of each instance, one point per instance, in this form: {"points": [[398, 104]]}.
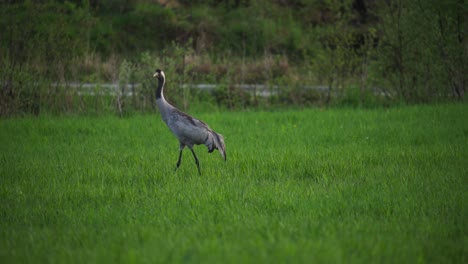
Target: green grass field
{"points": [[299, 186]]}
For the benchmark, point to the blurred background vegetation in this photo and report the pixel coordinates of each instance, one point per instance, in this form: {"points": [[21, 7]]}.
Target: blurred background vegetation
{"points": [[300, 52]]}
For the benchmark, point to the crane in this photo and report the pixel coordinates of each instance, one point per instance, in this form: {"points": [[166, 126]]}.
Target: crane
{"points": [[188, 130]]}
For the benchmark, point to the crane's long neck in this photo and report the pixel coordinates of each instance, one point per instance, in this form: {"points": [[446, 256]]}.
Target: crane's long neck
{"points": [[159, 90], [163, 105]]}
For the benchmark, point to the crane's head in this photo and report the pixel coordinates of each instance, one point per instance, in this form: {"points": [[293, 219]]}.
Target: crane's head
{"points": [[159, 74]]}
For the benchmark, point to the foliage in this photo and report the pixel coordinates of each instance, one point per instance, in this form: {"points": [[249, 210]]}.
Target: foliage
{"points": [[302, 186], [424, 48], [38, 48], [393, 51]]}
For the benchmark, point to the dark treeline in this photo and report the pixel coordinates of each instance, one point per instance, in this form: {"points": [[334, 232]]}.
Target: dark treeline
{"points": [[362, 52]]}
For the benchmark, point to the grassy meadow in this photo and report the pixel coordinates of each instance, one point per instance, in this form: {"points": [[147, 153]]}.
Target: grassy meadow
{"points": [[299, 186]]}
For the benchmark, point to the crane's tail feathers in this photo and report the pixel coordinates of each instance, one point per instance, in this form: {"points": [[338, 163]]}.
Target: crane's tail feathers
{"points": [[216, 141]]}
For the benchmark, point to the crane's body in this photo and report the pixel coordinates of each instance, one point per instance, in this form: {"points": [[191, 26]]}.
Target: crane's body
{"points": [[188, 130]]}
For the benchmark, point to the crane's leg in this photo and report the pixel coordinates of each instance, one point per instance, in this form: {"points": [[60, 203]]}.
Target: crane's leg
{"points": [[196, 160], [180, 156]]}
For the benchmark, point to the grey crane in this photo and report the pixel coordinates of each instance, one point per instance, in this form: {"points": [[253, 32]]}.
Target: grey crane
{"points": [[188, 130]]}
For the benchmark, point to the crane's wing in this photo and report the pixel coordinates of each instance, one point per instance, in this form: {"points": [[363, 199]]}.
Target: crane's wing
{"points": [[192, 131], [218, 141]]}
